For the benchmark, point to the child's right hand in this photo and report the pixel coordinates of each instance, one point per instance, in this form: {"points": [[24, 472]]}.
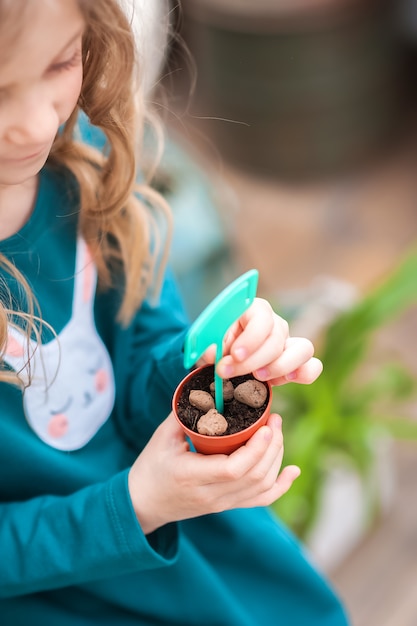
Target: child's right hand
{"points": [[170, 483]]}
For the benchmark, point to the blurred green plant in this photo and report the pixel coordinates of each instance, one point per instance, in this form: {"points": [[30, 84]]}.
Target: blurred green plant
{"points": [[338, 419]]}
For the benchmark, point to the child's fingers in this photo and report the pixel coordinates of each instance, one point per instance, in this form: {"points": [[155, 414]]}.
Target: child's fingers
{"points": [[251, 470], [304, 375], [282, 484], [297, 351], [219, 468], [260, 341], [208, 357], [270, 462], [262, 476], [256, 325], [295, 364], [228, 367]]}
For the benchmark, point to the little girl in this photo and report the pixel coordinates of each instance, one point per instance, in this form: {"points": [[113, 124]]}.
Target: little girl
{"points": [[106, 515]]}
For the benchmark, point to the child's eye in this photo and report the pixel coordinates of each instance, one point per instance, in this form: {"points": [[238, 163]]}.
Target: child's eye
{"points": [[62, 409], [68, 64], [3, 95]]}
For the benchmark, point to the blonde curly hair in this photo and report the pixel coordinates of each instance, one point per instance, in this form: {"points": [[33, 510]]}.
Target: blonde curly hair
{"points": [[118, 217]]}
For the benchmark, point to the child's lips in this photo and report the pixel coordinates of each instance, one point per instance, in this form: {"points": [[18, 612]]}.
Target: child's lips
{"points": [[30, 154], [27, 157]]}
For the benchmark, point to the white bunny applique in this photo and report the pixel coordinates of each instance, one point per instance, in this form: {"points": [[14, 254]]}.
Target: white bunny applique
{"points": [[71, 387]]}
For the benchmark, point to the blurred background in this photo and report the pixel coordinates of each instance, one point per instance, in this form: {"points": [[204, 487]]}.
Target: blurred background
{"points": [[291, 147]]}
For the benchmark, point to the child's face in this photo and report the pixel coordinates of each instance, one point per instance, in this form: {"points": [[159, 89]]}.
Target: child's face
{"points": [[40, 82]]}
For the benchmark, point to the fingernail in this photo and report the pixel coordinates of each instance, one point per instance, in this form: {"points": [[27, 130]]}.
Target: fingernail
{"points": [[276, 421], [267, 434], [291, 376], [228, 371], [262, 373]]}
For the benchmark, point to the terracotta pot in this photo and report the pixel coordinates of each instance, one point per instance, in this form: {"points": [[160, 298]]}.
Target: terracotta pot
{"points": [[222, 444]]}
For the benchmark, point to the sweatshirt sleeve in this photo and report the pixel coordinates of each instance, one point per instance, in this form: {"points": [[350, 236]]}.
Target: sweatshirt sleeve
{"points": [[151, 355], [54, 541]]}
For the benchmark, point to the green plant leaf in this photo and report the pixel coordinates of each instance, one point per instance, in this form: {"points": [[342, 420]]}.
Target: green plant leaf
{"points": [[341, 416], [347, 339]]}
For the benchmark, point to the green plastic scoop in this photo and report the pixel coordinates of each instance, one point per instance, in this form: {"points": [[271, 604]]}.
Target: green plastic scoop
{"points": [[212, 324]]}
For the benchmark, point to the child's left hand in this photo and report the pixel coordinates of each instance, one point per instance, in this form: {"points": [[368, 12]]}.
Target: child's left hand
{"points": [[259, 342]]}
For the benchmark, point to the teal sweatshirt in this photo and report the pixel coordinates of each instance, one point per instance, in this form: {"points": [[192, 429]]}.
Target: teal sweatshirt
{"points": [[71, 549]]}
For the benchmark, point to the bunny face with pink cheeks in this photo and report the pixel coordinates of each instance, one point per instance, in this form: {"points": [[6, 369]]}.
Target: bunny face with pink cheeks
{"points": [[71, 387]]}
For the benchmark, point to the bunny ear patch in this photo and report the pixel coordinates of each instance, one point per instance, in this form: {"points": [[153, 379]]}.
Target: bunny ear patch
{"points": [[89, 276], [13, 348], [85, 279], [19, 351]]}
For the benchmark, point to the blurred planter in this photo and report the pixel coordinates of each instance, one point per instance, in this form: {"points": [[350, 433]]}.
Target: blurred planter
{"points": [[313, 87], [222, 444], [350, 503]]}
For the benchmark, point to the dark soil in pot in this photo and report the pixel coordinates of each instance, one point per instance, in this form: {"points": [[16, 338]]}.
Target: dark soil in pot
{"points": [[238, 415]]}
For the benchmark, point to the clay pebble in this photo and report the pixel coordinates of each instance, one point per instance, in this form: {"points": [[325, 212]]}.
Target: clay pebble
{"points": [[252, 393], [212, 423], [228, 390], [201, 400]]}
